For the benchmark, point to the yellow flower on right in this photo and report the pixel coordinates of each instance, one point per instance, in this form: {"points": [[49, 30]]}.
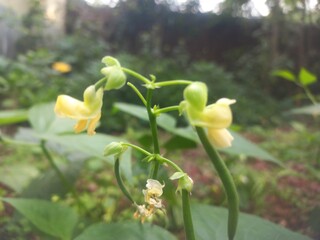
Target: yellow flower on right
{"points": [[216, 117]]}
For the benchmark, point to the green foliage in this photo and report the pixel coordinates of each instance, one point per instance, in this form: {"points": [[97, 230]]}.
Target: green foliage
{"points": [[125, 230], [51, 218], [250, 227]]}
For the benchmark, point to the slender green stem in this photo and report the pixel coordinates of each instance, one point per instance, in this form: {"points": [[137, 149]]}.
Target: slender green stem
{"points": [[137, 148], [310, 95], [227, 180], [119, 179], [136, 75], [172, 82], [154, 132], [187, 218], [63, 179], [138, 93], [100, 83], [167, 109], [169, 162]]}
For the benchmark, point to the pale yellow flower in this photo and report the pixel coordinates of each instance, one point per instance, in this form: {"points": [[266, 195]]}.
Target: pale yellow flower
{"points": [[152, 199], [61, 67], [153, 193], [87, 113], [217, 118]]}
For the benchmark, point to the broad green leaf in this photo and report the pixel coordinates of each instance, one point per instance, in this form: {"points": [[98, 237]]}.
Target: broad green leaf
{"points": [[51, 218], [306, 78], [125, 231], [17, 176], [310, 110], [13, 116], [285, 74], [78, 146], [43, 120], [38, 187], [210, 223], [178, 142], [240, 145]]}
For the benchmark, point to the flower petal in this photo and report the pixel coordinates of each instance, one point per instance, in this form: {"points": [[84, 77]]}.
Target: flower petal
{"points": [[67, 106], [93, 124], [80, 126], [220, 137]]}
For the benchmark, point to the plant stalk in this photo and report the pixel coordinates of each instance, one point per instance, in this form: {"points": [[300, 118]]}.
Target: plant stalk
{"points": [[154, 132]]}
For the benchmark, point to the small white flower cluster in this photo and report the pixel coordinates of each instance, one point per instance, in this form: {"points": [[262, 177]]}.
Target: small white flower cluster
{"points": [[152, 199]]}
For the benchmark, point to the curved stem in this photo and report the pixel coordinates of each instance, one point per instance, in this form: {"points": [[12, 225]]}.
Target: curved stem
{"points": [[136, 75], [100, 83], [169, 162], [63, 179], [187, 218], [310, 95], [172, 82], [227, 180], [167, 109], [154, 132], [119, 179], [137, 148], [138, 93]]}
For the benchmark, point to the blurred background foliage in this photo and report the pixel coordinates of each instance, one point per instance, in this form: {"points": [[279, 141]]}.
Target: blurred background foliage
{"points": [[237, 52]]}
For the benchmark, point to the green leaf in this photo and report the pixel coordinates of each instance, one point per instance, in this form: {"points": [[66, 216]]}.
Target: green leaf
{"points": [[17, 176], [240, 145], [178, 142], [125, 230], [210, 223], [306, 78], [43, 120], [285, 74], [81, 145], [38, 187], [313, 110], [51, 218], [13, 116]]}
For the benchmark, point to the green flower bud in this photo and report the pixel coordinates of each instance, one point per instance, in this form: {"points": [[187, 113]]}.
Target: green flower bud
{"points": [[116, 77], [110, 61], [196, 95], [114, 148], [185, 182]]}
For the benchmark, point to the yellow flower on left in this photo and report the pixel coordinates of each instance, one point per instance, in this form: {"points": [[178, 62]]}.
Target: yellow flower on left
{"points": [[87, 113], [61, 67]]}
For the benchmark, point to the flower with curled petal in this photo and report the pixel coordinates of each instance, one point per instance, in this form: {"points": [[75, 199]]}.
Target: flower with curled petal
{"points": [[216, 117], [87, 112]]}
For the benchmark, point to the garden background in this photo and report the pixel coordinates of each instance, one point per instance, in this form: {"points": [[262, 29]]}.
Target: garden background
{"points": [[269, 64]]}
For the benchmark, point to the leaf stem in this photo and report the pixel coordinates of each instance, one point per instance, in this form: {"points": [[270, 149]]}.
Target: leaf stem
{"points": [[136, 75], [136, 90], [167, 109], [227, 181], [137, 148], [172, 82], [62, 177]]}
